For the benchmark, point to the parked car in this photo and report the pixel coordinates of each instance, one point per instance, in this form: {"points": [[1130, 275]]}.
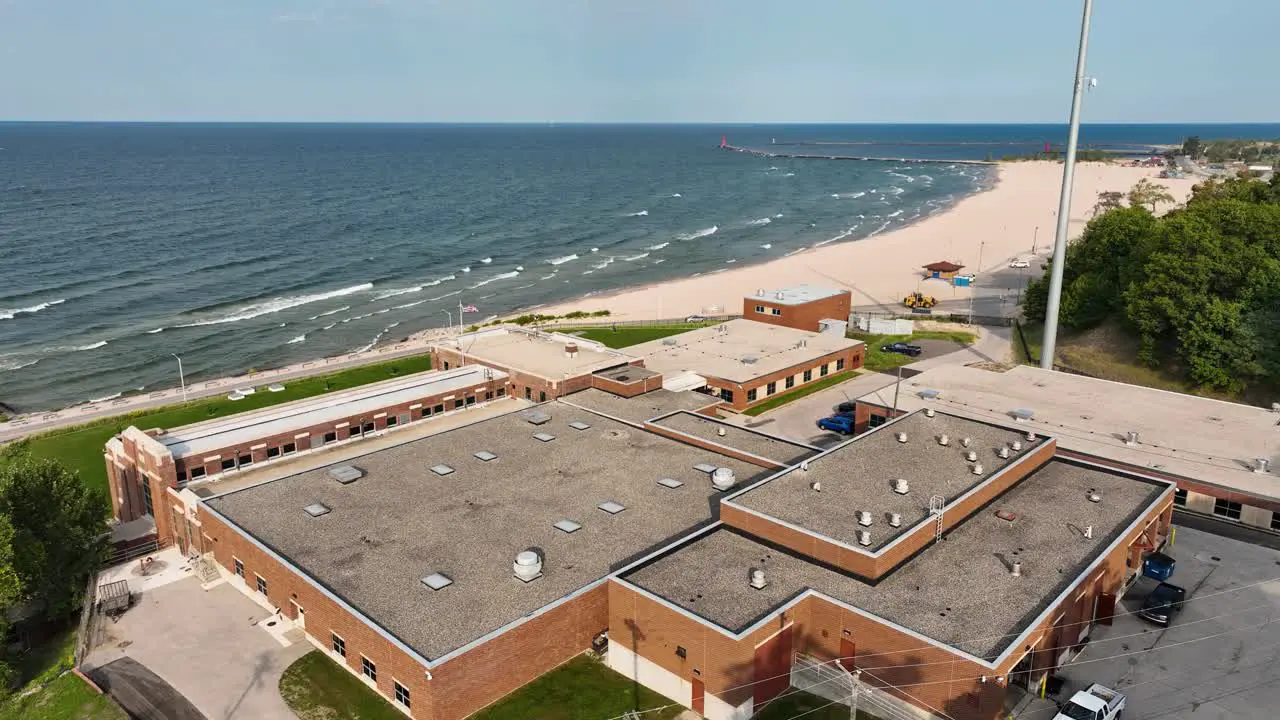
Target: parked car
{"points": [[1162, 604], [845, 407], [1095, 703], [842, 424], [695, 318], [1019, 263], [902, 349]]}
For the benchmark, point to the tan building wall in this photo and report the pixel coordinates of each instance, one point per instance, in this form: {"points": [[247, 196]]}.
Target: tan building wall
{"points": [[519, 384], [851, 357], [803, 316]]}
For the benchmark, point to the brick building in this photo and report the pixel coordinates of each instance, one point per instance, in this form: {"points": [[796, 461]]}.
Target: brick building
{"points": [[142, 464], [745, 362], [1220, 454], [803, 307]]}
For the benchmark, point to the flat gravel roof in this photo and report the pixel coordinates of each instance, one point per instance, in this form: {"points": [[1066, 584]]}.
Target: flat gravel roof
{"points": [[859, 475], [536, 352], [784, 452], [798, 295], [640, 408], [401, 522], [959, 591]]}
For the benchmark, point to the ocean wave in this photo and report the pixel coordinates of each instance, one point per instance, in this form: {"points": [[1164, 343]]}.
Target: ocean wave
{"points": [[896, 190], [487, 260], [927, 178], [676, 195], [10, 365], [585, 272], [547, 277], [92, 346], [277, 304], [880, 229], [635, 257], [495, 278], [659, 261], [894, 214], [301, 338], [394, 324], [383, 310], [603, 265], [466, 269], [329, 326], [856, 195], [12, 313], [659, 246], [699, 234], [641, 213], [344, 308], [522, 287], [562, 259], [595, 250], [730, 261], [778, 215], [767, 246], [793, 252], [760, 221], [441, 297], [519, 268], [105, 398], [486, 297], [408, 305], [157, 330], [789, 175]]}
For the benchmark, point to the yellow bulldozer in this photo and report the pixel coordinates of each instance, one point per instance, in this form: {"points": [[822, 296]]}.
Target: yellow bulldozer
{"points": [[919, 300]]}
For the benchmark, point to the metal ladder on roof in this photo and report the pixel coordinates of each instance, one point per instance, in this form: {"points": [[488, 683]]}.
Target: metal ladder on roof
{"points": [[936, 504]]}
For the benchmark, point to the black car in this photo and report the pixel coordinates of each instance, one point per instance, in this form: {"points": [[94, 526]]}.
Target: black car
{"points": [[845, 408], [903, 349], [1162, 604]]}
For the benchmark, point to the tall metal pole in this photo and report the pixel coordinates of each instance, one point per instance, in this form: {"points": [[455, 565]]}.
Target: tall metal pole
{"points": [[181, 378], [1064, 202]]}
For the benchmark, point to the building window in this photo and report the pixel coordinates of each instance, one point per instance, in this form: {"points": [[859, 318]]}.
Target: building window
{"points": [[502, 392], [146, 496], [229, 464], [438, 409], [1180, 497], [339, 645], [262, 585], [528, 393], [392, 420], [1226, 508], [367, 428], [402, 695], [331, 437], [1275, 521], [246, 459], [726, 395], [197, 472], [791, 381], [238, 567], [751, 395], [839, 364], [353, 431], [457, 403], [488, 394], [471, 400], [542, 396], [776, 311], [760, 309], [289, 448], [424, 412], [808, 375], [368, 669], [273, 452], [877, 420], [771, 388], [822, 371], [182, 476]]}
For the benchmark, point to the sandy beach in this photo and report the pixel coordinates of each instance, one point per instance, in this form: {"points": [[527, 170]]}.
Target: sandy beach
{"points": [[983, 232]]}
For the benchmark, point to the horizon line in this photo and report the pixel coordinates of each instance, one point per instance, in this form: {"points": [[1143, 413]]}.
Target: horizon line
{"points": [[691, 123]]}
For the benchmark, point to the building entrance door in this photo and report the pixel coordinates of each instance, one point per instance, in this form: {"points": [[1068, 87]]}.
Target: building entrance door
{"points": [[772, 667], [699, 696], [299, 615]]}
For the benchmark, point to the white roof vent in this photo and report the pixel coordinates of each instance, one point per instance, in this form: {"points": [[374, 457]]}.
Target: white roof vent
{"points": [[1131, 438], [902, 437], [804, 465], [722, 478], [760, 292], [1094, 496], [1016, 446], [864, 518], [929, 412], [437, 581], [971, 456], [1031, 436], [1003, 452], [346, 474], [1261, 465], [977, 468], [943, 440], [528, 566], [965, 442], [721, 432], [864, 537], [901, 487], [895, 519], [1016, 570], [317, 509], [757, 579]]}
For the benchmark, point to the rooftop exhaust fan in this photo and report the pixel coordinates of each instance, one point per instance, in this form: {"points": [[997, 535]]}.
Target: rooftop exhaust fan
{"points": [[943, 440], [1261, 465], [971, 456], [929, 412], [1003, 452], [895, 519], [757, 579], [864, 518], [1016, 446], [902, 437], [864, 537], [1016, 570], [721, 432], [977, 468], [901, 487], [816, 486], [965, 442], [528, 566], [722, 478], [1094, 496], [1131, 438]]}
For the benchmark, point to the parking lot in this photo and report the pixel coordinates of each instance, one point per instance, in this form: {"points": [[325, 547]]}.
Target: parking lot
{"points": [[1219, 659]]}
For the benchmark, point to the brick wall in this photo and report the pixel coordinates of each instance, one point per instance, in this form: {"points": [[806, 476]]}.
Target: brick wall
{"points": [[804, 316], [627, 389], [708, 445], [852, 360], [862, 412]]}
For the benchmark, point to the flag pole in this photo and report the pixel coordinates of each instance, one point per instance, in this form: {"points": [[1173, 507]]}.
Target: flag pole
{"points": [[461, 350]]}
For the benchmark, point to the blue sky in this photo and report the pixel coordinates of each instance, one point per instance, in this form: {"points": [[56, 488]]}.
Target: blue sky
{"points": [[631, 61]]}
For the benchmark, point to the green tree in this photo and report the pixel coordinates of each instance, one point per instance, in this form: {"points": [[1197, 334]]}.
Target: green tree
{"points": [[56, 532], [1149, 193], [1192, 147], [1108, 200]]}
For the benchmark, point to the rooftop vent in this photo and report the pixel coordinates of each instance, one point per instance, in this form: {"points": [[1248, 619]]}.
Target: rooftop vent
{"points": [[760, 292], [579, 425], [1031, 436], [816, 486], [441, 469], [1275, 407], [544, 437], [804, 465], [670, 483], [317, 509], [930, 394], [486, 456], [1094, 496], [1016, 570], [929, 412], [528, 566], [536, 417], [346, 474], [1003, 452], [965, 442], [1023, 414], [943, 440], [612, 507], [1016, 446], [901, 487], [571, 350], [864, 537], [1261, 465], [721, 432], [705, 467], [749, 359], [1131, 438], [722, 478], [977, 469], [757, 579], [902, 437], [779, 295], [437, 581], [895, 519], [1088, 532], [1006, 515], [864, 518], [971, 456], [568, 526]]}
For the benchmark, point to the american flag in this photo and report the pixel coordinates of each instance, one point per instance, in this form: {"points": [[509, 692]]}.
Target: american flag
{"points": [[470, 308]]}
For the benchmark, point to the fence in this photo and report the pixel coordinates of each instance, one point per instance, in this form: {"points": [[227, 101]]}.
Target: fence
{"points": [[84, 633], [135, 551], [829, 680], [962, 318]]}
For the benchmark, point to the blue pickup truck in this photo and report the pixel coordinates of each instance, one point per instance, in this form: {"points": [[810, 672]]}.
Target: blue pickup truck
{"points": [[842, 424]]}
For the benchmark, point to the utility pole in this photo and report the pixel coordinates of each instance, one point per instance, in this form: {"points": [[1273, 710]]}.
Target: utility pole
{"points": [[853, 704], [1035, 239], [1064, 202], [181, 378], [897, 386]]}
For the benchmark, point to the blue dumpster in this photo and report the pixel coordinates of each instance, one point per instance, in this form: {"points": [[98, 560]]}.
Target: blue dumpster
{"points": [[961, 281], [1158, 566]]}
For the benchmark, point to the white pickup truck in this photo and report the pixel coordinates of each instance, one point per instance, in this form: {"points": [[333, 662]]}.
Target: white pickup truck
{"points": [[1095, 703]]}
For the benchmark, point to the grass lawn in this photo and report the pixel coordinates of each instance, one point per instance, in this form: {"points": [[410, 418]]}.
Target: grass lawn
{"points": [[581, 689], [794, 703], [808, 389], [43, 662], [316, 688], [878, 360], [628, 335], [80, 448], [67, 698]]}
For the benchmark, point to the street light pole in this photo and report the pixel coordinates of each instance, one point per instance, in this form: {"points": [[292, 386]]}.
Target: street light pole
{"points": [[181, 378], [1064, 202]]}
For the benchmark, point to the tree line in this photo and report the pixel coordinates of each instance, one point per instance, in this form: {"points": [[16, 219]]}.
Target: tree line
{"points": [[1199, 287]]}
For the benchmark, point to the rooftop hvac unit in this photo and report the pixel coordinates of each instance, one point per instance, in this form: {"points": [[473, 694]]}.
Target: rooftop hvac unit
{"points": [[971, 456], [902, 437], [977, 468], [901, 487], [757, 579], [943, 440], [895, 519], [864, 518], [864, 537], [571, 350], [528, 566], [1131, 438], [722, 478]]}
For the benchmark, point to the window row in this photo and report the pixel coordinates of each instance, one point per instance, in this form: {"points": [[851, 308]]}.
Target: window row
{"points": [[776, 312], [790, 382], [369, 669]]}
